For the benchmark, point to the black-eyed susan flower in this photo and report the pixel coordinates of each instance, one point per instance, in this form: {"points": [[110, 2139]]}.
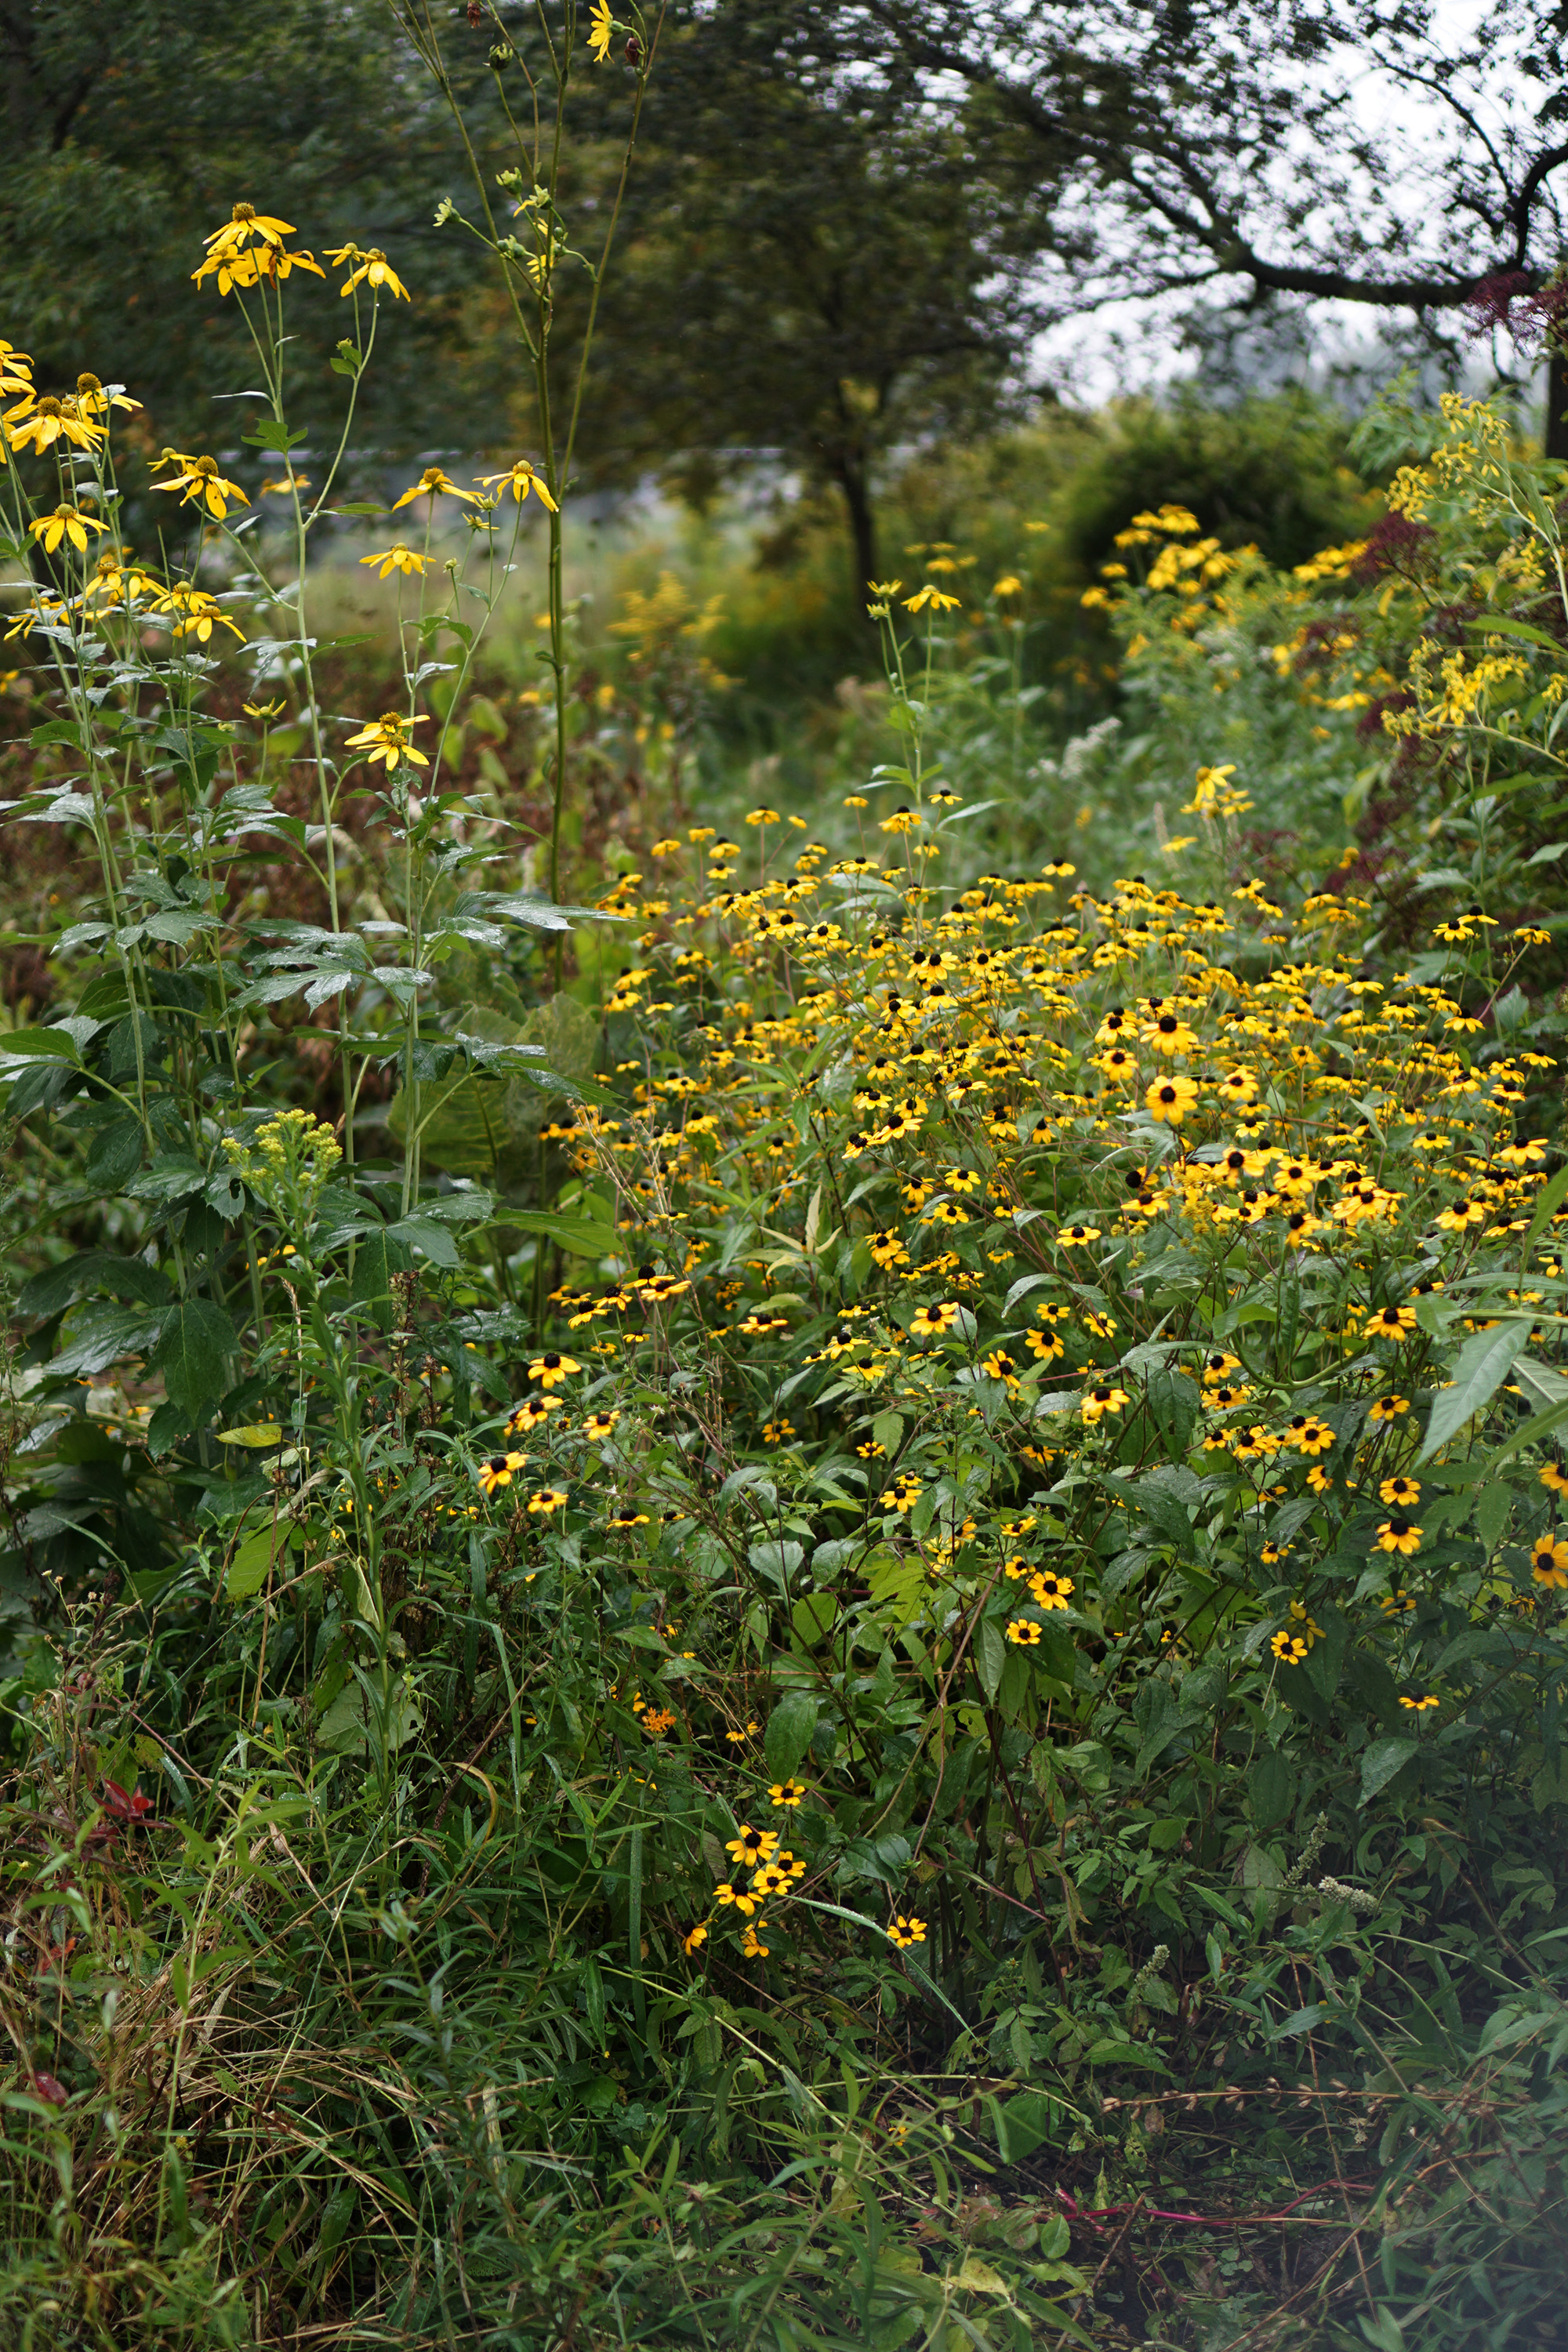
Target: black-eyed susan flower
{"points": [[597, 1426], [534, 1414], [930, 1322], [1419, 1706], [547, 1500], [752, 1945], [1077, 1236], [751, 1847], [1023, 1633], [550, 1369], [1168, 1100], [629, 1517], [1388, 1408], [769, 1880], [1397, 1534], [697, 1936], [1308, 1434], [500, 1470], [1551, 1474], [789, 1793], [1049, 1590], [1400, 1493], [1098, 1402], [906, 1930], [739, 1898], [1391, 1322], [1291, 1649], [1549, 1562]]}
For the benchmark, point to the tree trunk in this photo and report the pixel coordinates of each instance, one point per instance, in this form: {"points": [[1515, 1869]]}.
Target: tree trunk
{"points": [[851, 472], [1557, 402]]}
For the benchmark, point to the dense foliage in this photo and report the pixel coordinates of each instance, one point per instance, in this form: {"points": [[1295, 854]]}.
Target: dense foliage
{"points": [[820, 1603]]}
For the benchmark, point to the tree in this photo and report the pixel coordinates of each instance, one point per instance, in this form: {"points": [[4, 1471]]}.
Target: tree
{"points": [[811, 277], [132, 129], [1368, 152]]}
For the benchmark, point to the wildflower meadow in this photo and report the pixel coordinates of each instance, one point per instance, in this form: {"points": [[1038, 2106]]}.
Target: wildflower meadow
{"points": [[779, 1569]]}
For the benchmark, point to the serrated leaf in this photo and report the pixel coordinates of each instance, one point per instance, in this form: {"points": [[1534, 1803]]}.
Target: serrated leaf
{"points": [[192, 1345]]}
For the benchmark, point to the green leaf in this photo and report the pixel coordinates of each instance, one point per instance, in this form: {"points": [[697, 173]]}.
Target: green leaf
{"points": [[424, 1234], [1550, 1200], [40, 1046], [885, 1432], [1481, 1366], [116, 1155], [1382, 1760], [254, 1433], [250, 1568], [191, 1346], [789, 1731], [578, 1236], [990, 1655]]}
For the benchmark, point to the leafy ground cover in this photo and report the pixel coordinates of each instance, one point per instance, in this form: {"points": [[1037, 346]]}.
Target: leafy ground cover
{"points": [[817, 1600]]}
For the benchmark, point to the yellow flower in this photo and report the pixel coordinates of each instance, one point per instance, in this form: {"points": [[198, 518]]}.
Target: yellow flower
{"points": [[1289, 1648], [500, 1470], [1008, 585], [548, 1500], [387, 739], [601, 30], [1389, 1408], [1398, 1535], [520, 479], [1023, 1632], [372, 267], [1170, 1099], [1077, 1236], [16, 369], [200, 480], [907, 1931], [436, 484], [934, 597], [929, 1322], [789, 1793], [1551, 1474], [1549, 1562], [66, 522], [199, 611], [1390, 1322], [398, 558], [1420, 1706], [1099, 1402], [743, 1902], [552, 1367], [1403, 1493], [699, 1936], [753, 1847], [93, 401], [1050, 1591], [44, 422], [243, 223]]}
